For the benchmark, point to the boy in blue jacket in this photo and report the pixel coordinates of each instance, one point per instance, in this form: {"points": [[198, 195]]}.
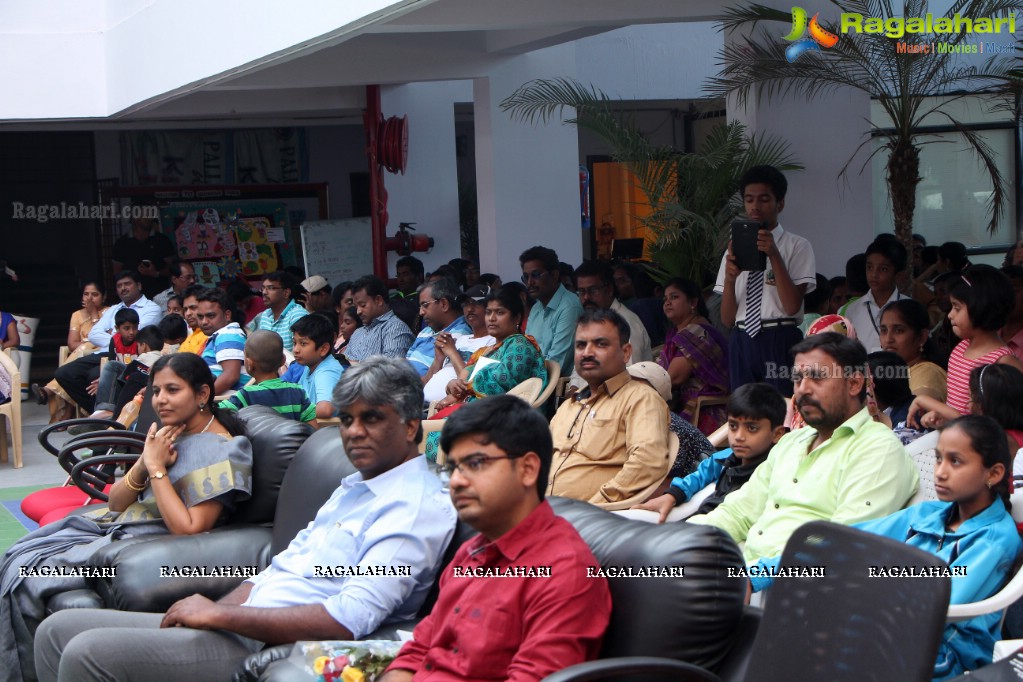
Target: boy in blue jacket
{"points": [[756, 417]]}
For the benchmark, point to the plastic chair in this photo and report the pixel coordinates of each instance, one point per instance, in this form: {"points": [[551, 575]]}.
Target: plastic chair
{"points": [[843, 626], [707, 401], [11, 412], [553, 377], [922, 453], [529, 390]]}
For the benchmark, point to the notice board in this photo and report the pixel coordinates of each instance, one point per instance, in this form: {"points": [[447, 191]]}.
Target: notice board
{"points": [[339, 250]]}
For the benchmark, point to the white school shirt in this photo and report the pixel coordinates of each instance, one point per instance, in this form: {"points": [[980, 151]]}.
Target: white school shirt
{"points": [[865, 315], [797, 254]]}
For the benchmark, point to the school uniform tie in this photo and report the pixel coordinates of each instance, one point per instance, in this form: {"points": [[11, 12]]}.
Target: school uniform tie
{"points": [[754, 294]]}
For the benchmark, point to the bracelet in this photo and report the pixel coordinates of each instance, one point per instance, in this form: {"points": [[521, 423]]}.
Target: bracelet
{"points": [[131, 484]]}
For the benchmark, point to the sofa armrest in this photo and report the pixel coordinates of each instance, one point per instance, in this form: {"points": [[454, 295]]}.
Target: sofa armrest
{"points": [[152, 573], [651, 666]]}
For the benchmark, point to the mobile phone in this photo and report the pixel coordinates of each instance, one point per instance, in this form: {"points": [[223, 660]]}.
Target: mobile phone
{"points": [[744, 245]]}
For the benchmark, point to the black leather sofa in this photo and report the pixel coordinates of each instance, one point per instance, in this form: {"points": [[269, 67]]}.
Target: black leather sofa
{"points": [[695, 618]]}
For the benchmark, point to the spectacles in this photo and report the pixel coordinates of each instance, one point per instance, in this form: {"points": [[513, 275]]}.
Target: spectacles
{"points": [[534, 275], [426, 304], [590, 292], [271, 288], [471, 466]]}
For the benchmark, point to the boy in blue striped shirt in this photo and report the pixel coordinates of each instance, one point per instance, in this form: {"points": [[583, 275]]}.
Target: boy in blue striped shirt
{"points": [[264, 355]]}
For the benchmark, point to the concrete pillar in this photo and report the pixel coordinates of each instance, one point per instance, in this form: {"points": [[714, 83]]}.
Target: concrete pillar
{"points": [[427, 194], [527, 176]]}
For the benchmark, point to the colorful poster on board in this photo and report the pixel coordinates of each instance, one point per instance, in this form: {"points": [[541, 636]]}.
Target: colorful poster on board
{"points": [[255, 251], [206, 273]]}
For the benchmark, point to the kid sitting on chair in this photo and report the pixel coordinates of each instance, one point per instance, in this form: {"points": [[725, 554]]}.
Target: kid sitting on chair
{"points": [[970, 528], [756, 414], [264, 354]]}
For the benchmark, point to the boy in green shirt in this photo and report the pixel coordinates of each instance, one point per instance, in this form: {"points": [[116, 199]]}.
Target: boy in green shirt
{"points": [[264, 355]]}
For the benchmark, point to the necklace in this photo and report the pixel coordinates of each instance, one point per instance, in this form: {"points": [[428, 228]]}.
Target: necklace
{"points": [[205, 428]]}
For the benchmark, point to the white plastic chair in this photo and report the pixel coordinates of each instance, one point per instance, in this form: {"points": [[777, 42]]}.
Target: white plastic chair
{"points": [[11, 412], [922, 453]]}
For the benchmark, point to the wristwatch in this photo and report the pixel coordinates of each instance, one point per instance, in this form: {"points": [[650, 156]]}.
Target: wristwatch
{"points": [[159, 474]]}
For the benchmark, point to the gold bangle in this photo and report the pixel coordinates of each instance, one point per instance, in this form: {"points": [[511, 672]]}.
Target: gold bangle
{"points": [[131, 484]]}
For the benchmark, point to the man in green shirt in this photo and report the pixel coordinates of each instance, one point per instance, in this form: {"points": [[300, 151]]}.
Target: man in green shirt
{"points": [[842, 466]]}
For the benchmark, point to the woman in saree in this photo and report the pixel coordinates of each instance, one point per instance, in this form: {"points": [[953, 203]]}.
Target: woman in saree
{"points": [[82, 321], [192, 472], [495, 369], [695, 354]]}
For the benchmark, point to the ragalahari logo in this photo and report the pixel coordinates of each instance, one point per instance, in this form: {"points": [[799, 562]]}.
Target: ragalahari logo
{"points": [[819, 36]]}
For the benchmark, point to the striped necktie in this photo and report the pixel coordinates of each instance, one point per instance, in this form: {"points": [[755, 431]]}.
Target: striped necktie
{"points": [[754, 294]]}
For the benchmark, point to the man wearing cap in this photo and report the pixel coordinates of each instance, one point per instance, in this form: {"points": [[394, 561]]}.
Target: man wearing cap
{"points": [[281, 311], [596, 290], [611, 438], [317, 298], [448, 350], [442, 314]]}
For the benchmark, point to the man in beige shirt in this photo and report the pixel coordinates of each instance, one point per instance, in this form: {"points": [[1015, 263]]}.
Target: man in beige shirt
{"points": [[611, 438]]}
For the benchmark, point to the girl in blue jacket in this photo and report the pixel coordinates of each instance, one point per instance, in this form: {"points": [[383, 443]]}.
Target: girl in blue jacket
{"points": [[970, 528]]}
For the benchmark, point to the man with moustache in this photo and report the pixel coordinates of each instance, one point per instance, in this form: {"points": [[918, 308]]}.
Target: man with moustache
{"points": [[509, 608], [282, 310], [611, 438], [842, 467]]}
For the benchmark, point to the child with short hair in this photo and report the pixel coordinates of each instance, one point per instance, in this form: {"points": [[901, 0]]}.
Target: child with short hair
{"points": [[756, 417], [122, 344], [970, 527], [119, 383], [264, 355], [318, 370]]}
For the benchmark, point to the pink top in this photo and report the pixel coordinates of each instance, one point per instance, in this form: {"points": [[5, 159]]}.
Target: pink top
{"points": [[959, 368]]}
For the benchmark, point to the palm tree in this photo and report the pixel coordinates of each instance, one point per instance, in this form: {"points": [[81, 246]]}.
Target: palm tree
{"points": [[903, 84], [692, 196]]}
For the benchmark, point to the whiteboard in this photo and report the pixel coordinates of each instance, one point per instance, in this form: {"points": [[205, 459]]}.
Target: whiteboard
{"points": [[339, 250]]}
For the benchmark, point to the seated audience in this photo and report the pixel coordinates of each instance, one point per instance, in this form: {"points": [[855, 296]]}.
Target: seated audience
{"points": [[892, 395], [886, 258], [695, 354], [441, 310], [839, 294], [982, 299], [638, 293], [348, 322], [246, 300], [196, 340], [970, 527], [841, 467], [450, 354], [76, 377], [392, 512], [9, 337], [816, 304], [224, 351], [611, 438], [943, 338], [1012, 331], [114, 376], [693, 446], [264, 355], [82, 321], [317, 296], [175, 305], [499, 457], [315, 368], [382, 332], [404, 301], [904, 330], [177, 486], [552, 318], [182, 276], [282, 310], [756, 414]]}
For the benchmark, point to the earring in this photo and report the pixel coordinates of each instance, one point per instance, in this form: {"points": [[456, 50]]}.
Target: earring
{"points": [[989, 485], [202, 407]]}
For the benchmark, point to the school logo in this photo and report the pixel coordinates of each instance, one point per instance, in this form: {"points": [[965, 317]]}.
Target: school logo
{"points": [[801, 42]]}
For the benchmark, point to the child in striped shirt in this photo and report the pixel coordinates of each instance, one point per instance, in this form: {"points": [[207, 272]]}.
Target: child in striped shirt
{"points": [[264, 355]]}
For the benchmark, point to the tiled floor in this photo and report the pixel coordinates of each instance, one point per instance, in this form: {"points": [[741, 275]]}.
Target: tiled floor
{"points": [[14, 524]]}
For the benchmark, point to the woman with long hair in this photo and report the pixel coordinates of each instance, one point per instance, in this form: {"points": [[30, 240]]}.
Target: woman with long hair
{"points": [[192, 472]]}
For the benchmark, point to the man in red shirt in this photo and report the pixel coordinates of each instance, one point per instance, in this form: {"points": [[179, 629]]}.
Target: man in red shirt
{"points": [[516, 602]]}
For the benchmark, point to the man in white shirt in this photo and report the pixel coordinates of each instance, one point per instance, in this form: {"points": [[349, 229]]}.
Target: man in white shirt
{"points": [[446, 346], [392, 514], [765, 307], [76, 377]]}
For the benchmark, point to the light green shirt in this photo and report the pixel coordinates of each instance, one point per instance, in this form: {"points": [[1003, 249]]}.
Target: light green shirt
{"points": [[552, 326], [862, 472]]}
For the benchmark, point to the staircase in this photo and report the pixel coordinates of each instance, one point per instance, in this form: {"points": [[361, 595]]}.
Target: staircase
{"points": [[50, 292]]}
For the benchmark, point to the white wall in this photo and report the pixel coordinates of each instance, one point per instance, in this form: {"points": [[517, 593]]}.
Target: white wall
{"points": [[427, 194]]}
